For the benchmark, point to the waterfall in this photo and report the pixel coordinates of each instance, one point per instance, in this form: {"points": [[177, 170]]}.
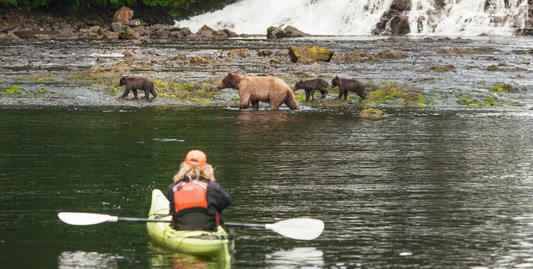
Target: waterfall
{"points": [[467, 17], [359, 17], [317, 17]]}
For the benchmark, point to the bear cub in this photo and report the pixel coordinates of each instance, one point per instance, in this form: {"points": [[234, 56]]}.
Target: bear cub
{"points": [[133, 84]]}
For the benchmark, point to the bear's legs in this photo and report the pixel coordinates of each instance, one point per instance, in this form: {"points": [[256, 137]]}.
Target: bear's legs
{"points": [[255, 104], [307, 93], [341, 93], [312, 94], [134, 93], [147, 93], [153, 92], [126, 92]]}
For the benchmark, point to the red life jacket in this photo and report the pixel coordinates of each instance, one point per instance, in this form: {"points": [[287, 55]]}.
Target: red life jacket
{"points": [[190, 194], [190, 204]]}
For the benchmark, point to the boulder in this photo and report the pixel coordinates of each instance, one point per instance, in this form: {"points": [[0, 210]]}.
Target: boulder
{"points": [[128, 34], [310, 54], [289, 31], [372, 114], [393, 54], [118, 27], [266, 52], [350, 57], [240, 53], [206, 31], [123, 15]]}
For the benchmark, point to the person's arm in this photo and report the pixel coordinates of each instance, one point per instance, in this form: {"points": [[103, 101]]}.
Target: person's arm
{"points": [[170, 196]]}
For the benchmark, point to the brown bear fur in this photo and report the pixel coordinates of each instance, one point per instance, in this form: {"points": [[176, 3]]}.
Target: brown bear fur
{"points": [[346, 85], [265, 89], [310, 86], [134, 84], [123, 15]]}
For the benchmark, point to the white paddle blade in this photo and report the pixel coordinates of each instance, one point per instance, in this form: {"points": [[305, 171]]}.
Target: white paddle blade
{"points": [[301, 229], [82, 219]]}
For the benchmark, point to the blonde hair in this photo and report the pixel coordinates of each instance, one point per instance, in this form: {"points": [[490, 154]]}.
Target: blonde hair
{"points": [[192, 172]]}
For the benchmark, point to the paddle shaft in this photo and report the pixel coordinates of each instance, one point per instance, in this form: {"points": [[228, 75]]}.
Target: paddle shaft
{"points": [[247, 225], [142, 220]]}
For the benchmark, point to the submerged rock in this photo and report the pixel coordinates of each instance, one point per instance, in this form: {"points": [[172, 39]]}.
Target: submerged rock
{"points": [[393, 54], [372, 114]]}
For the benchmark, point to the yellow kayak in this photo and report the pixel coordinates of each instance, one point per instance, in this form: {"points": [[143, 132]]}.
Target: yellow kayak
{"points": [[203, 243]]}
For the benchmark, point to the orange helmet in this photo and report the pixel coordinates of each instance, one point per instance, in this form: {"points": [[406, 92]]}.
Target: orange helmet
{"points": [[196, 157]]}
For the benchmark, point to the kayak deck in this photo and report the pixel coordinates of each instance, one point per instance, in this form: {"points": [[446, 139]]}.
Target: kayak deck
{"points": [[203, 243]]}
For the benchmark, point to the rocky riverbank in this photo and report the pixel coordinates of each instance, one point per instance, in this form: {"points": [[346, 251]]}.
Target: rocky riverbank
{"points": [[397, 71]]}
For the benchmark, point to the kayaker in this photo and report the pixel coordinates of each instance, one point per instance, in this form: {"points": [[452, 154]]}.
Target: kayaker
{"points": [[196, 198]]}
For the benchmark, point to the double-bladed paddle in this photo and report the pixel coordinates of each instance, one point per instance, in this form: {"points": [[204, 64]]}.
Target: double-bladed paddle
{"points": [[299, 228]]}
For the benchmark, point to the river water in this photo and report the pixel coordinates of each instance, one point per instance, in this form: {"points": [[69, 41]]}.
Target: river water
{"points": [[424, 188]]}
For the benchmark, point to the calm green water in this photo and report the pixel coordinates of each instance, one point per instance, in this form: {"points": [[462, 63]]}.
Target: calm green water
{"points": [[425, 188]]}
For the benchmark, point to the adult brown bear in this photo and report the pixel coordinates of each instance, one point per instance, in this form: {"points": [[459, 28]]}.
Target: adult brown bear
{"points": [[346, 85], [265, 89], [134, 84]]}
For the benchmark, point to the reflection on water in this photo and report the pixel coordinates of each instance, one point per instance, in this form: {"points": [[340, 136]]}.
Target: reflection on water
{"points": [[425, 188], [160, 259], [296, 258], [81, 259]]}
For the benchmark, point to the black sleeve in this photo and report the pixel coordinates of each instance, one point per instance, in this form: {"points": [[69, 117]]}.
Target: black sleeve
{"points": [[218, 199], [170, 196]]}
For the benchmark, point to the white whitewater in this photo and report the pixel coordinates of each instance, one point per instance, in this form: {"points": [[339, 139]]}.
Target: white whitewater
{"points": [[359, 17], [467, 17], [317, 17]]}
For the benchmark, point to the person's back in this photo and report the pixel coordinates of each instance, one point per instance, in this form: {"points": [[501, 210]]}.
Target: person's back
{"points": [[196, 203]]}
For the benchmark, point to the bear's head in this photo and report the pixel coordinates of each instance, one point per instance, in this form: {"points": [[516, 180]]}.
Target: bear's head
{"points": [[335, 82], [299, 85], [230, 81], [123, 81]]}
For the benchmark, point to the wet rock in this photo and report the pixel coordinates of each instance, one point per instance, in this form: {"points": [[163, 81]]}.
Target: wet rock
{"points": [[393, 54], [123, 15], [466, 50], [289, 31], [350, 57], [118, 27], [264, 52], [199, 60], [401, 5], [240, 53], [111, 35], [493, 68], [206, 31], [277, 61], [310, 54], [128, 33], [372, 114]]}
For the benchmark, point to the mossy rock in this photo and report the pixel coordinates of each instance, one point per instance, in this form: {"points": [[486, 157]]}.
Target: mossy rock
{"points": [[393, 94], [310, 54], [372, 114]]}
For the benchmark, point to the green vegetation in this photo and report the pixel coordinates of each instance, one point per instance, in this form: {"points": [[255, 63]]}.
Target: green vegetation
{"points": [[502, 87], [184, 91], [393, 94], [12, 91]]}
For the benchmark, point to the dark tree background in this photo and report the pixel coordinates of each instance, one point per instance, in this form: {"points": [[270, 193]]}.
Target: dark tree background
{"points": [[144, 9]]}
